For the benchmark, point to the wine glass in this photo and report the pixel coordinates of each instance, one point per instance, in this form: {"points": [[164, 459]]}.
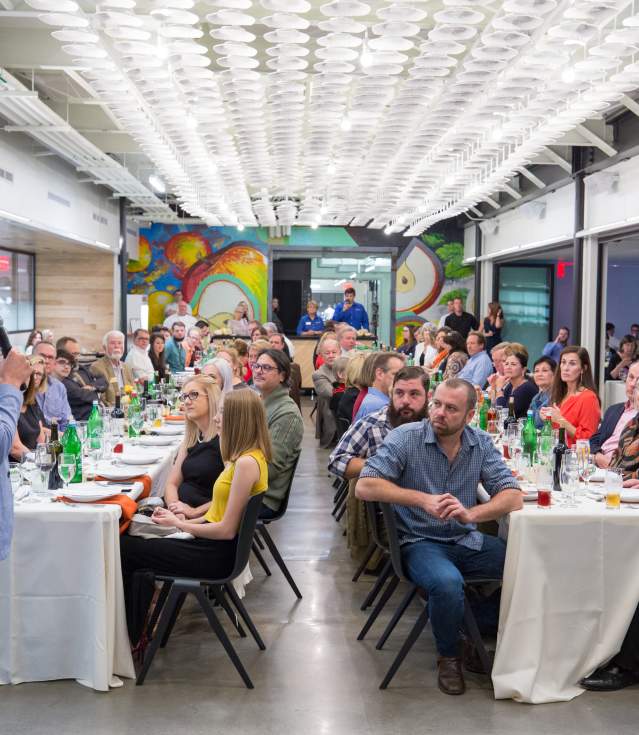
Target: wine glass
{"points": [[570, 475], [45, 460], [66, 468], [587, 468]]}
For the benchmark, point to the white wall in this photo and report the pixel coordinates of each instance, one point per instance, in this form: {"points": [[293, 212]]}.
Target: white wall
{"points": [[523, 226], [611, 201], [46, 191], [469, 241]]}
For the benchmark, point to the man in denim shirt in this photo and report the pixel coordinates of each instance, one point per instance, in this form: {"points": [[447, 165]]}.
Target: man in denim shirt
{"points": [[430, 471]]}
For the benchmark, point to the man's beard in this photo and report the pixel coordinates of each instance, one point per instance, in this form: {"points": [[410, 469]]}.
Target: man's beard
{"points": [[397, 418], [178, 339]]}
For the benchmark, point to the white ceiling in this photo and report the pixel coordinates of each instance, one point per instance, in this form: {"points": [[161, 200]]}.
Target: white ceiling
{"points": [[283, 112]]}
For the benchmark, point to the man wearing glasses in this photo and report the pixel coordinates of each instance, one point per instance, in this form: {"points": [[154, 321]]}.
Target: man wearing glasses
{"points": [[138, 358], [271, 374], [52, 397], [80, 397]]}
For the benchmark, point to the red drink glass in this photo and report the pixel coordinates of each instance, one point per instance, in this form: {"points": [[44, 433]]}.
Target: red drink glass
{"points": [[118, 448], [543, 498], [506, 450]]}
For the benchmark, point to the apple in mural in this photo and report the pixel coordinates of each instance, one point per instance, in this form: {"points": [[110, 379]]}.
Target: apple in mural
{"points": [[215, 284], [185, 249], [420, 278]]}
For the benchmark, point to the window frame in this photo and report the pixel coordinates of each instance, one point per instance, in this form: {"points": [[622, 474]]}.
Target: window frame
{"points": [[14, 252]]}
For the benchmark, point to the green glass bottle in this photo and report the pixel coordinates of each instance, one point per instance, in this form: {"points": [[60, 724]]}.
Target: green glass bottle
{"points": [[483, 413], [134, 410], [71, 444], [529, 438], [95, 427], [546, 439]]}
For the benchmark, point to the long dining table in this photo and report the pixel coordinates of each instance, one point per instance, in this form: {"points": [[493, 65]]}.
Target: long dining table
{"points": [[61, 596], [570, 589]]}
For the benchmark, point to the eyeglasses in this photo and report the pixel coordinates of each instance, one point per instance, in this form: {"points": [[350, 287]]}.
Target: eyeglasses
{"points": [[63, 363], [259, 367], [190, 396]]}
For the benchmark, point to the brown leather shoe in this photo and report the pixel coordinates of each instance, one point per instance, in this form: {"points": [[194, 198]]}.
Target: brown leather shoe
{"points": [[450, 677], [471, 659]]}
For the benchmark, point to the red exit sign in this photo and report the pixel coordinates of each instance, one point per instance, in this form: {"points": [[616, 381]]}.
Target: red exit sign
{"points": [[5, 263]]}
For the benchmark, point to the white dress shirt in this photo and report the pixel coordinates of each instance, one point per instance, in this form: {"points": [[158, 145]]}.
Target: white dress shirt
{"points": [[188, 321], [140, 363]]}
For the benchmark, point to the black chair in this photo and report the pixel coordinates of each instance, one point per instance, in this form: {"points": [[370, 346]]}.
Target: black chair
{"points": [[175, 590], [262, 530], [469, 619]]}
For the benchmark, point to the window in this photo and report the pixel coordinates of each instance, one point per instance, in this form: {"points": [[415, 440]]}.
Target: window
{"points": [[17, 291]]}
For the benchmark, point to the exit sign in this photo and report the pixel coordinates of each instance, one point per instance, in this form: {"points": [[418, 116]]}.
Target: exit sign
{"points": [[5, 263]]}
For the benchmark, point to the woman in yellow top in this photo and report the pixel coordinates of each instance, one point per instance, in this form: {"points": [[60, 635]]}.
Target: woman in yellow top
{"points": [[246, 449]]}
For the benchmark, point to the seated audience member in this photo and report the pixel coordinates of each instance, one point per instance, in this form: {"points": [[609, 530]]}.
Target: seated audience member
{"points": [[409, 343], [81, 373], [352, 387], [183, 315], [367, 376], [285, 425], [442, 350], [238, 324], [193, 346], [310, 323], [32, 425], [175, 349], [80, 396], [479, 365], [553, 349], [111, 367], [230, 355], [605, 440], [497, 380], [622, 359], [518, 385], [32, 340], [277, 342], [385, 367], [347, 340], [271, 328], [429, 472], [339, 386], [199, 460], [317, 352], [138, 358], [157, 356], [626, 456], [408, 403], [425, 350], [258, 332], [51, 394], [457, 356], [172, 308], [246, 449], [323, 379], [543, 375], [241, 347], [203, 326], [574, 404], [221, 370], [253, 351]]}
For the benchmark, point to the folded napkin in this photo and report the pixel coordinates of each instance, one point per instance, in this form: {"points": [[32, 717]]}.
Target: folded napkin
{"points": [[127, 504], [146, 481]]}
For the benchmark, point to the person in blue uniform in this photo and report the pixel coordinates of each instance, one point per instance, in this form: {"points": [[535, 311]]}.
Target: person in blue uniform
{"points": [[351, 312], [310, 323]]}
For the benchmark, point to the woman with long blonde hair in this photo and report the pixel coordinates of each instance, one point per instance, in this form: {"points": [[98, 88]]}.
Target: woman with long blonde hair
{"points": [[199, 460], [246, 450], [31, 429]]}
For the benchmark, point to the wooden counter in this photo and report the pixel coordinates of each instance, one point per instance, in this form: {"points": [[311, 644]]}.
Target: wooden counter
{"points": [[304, 348]]}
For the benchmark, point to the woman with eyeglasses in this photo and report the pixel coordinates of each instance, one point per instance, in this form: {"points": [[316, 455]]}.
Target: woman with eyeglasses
{"points": [[246, 449], [199, 460]]}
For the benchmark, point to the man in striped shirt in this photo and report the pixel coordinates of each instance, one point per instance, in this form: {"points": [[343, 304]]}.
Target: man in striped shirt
{"points": [[429, 471]]}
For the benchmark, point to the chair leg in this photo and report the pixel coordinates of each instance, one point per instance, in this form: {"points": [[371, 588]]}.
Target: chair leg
{"points": [[278, 560], [341, 499], [342, 510], [381, 603], [397, 616], [157, 609], [174, 617], [258, 541], [244, 615], [419, 626], [218, 593], [260, 558], [473, 631], [166, 616], [367, 557], [339, 490], [381, 580], [223, 638]]}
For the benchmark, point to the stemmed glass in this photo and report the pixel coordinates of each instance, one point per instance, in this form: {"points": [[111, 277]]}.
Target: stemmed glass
{"points": [[66, 468], [45, 460], [587, 468]]}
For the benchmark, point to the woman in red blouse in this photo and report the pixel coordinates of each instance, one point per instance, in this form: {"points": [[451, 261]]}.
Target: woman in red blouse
{"points": [[574, 404]]}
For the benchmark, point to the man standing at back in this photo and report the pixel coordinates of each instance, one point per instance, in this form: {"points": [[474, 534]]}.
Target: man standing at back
{"points": [[385, 367], [461, 321], [181, 316], [53, 400], [351, 311]]}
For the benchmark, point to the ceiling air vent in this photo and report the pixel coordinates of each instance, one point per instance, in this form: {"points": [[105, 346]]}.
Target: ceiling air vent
{"points": [[59, 200], [6, 175]]}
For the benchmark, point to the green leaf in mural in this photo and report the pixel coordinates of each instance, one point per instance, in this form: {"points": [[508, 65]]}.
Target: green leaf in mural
{"points": [[455, 293], [434, 240], [452, 255]]}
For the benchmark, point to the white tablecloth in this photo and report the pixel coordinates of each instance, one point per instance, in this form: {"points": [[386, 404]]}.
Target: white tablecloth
{"points": [[569, 592], [61, 600]]}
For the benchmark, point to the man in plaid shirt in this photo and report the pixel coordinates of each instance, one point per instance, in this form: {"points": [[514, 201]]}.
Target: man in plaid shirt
{"points": [[364, 437]]}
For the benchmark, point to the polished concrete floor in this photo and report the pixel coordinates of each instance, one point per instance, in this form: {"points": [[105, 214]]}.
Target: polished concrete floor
{"points": [[314, 678]]}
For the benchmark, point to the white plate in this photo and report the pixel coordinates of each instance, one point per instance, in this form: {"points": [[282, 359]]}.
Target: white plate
{"points": [[132, 457], [110, 472], [155, 441], [176, 430], [89, 492]]}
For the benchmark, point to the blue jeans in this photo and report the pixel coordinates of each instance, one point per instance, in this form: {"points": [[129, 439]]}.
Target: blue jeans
{"points": [[440, 568]]}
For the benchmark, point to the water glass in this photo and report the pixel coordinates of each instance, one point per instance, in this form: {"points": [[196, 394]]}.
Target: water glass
{"points": [[614, 483], [569, 478], [93, 457], [543, 479], [45, 460], [15, 476], [66, 468]]}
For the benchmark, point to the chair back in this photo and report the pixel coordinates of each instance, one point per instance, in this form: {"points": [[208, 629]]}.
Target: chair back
{"points": [[245, 535], [284, 503], [343, 425], [373, 515], [394, 548]]}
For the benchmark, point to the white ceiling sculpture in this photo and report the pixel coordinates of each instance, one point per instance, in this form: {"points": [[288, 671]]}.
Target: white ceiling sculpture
{"points": [[392, 115]]}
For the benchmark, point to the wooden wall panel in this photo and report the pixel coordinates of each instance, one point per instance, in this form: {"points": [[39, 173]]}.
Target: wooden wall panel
{"points": [[74, 294]]}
